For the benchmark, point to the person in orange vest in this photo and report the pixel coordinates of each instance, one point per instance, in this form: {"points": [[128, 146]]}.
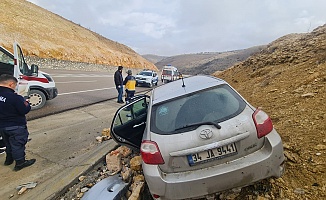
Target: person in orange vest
{"points": [[130, 86]]}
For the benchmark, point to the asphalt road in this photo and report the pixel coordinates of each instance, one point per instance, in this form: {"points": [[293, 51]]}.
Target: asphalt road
{"points": [[78, 89]]}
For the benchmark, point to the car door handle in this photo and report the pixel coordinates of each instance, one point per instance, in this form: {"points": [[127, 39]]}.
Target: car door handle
{"points": [[138, 124]]}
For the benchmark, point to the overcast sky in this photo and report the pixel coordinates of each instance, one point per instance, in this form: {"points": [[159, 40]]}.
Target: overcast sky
{"points": [[173, 27]]}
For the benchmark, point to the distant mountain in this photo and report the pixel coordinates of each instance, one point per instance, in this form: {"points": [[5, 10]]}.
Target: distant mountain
{"points": [[207, 62], [153, 58], [46, 35]]}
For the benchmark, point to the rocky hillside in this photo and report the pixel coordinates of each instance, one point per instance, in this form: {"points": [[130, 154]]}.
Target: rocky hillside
{"points": [[288, 80], [47, 35], [207, 62]]}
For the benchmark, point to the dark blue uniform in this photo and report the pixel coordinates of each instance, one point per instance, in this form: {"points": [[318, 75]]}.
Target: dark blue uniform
{"points": [[13, 129], [118, 81]]}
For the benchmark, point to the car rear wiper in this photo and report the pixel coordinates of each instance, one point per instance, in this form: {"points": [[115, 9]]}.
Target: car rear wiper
{"points": [[199, 124]]}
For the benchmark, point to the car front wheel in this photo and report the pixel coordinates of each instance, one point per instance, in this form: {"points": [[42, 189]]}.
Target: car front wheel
{"points": [[37, 99]]}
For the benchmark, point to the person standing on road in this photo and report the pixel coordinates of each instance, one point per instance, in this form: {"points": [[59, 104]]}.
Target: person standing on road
{"points": [[130, 82], [2, 146], [13, 129], [118, 80]]}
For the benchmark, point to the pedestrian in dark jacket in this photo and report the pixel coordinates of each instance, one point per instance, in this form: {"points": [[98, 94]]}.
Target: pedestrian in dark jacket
{"points": [[130, 83], [2, 146], [13, 129], [118, 80]]}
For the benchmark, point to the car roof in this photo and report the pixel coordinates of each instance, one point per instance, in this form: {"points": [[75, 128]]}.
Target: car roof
{"points": [[192, 84], [147, 70]]}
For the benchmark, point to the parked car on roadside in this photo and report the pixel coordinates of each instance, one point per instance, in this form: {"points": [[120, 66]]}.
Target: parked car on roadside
{"points": [[147, 78], [197, 137]]}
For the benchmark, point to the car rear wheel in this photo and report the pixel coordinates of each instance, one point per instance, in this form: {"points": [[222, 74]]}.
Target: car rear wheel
{"points": [[37, 99]]}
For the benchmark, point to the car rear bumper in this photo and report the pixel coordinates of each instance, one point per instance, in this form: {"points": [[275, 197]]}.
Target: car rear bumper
{"points": [[267, 162]]}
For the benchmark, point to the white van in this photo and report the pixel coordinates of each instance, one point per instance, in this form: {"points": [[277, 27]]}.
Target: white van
{"points": [[38, 86], [169, 73]]}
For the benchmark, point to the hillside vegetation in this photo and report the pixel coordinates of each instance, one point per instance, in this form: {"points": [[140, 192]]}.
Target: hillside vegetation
{"points": [[288, 80], [47, 35]]}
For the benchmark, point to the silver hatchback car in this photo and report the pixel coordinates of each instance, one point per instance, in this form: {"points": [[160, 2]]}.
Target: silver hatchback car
{"points": [[197, 136]]}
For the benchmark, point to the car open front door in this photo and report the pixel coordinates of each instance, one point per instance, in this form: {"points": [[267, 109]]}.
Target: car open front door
{"points": [[129, 123], [20, 68]]}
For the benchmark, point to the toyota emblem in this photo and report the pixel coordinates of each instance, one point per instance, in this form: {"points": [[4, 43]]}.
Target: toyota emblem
{"points": [[206, 134]]}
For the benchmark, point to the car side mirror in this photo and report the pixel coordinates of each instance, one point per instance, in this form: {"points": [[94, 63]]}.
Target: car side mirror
{"points": [[34, 70]]}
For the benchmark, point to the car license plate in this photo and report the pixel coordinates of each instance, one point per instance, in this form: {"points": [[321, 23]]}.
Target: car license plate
{"points": [[212, 154]]}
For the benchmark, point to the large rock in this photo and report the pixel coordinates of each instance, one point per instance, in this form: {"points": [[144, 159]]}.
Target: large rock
{"points": [[113, 162], [135, 195], [135, 163]]}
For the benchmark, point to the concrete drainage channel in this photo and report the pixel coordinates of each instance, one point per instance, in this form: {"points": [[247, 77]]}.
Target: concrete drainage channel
{"points": [[117, 176]]}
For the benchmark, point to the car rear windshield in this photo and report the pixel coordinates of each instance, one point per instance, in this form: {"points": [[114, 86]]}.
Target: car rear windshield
{"points": [[212, 105]]}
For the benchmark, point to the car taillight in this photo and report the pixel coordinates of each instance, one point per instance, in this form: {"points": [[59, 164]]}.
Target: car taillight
{"points": [[150, 153], [263, 123]]}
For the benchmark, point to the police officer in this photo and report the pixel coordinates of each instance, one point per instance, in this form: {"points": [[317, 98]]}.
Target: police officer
{"points": [[13, 129], [130, 82], [118, 80]]}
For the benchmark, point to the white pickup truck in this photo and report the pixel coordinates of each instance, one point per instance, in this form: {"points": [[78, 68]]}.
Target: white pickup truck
{"points": [[36, 85]]}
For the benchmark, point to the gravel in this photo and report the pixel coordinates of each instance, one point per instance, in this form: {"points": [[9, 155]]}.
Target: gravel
{"points": [[51, 63]]}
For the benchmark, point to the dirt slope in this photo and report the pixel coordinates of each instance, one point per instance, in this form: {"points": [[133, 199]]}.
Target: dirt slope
{"points": [[288, 80], [47, 35]]}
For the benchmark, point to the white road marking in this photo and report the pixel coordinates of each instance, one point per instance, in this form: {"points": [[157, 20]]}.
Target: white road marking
{"points": [[80, 75], [77, 82], [85, 91]]}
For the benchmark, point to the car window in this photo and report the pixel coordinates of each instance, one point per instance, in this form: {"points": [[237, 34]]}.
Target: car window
{"points": [[129, 123], [6, 64], [167, 72], [146, 73], [4, 58], [213, 105], [130, 113]]}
